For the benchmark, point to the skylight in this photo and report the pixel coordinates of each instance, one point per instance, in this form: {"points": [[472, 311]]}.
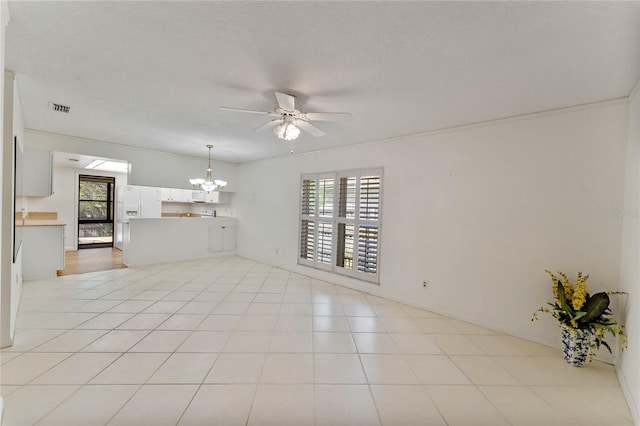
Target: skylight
{"points": [[108, 166]]}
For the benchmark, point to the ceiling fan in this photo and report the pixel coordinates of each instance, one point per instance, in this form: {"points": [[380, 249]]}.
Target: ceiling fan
{"points": [[290, 120]]}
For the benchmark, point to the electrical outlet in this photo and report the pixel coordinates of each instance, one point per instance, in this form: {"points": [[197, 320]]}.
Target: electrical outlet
{"points": [[425, 284]]}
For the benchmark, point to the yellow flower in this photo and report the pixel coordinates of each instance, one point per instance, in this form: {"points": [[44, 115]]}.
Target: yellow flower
{"points": [[554, 282], [580, 294], [565, 279]]}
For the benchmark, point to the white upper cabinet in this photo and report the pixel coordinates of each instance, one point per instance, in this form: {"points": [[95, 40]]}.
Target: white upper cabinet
{"points": [[37, 173], [217, 197], [173, 194]]}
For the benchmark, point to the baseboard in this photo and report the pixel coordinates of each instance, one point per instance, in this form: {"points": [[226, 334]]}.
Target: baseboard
{"points": [[4, 343], [377, 290], [632, 404], [1, 408]]}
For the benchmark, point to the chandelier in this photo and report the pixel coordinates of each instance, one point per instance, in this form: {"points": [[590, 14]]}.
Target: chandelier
{"points": [[208, 183]]}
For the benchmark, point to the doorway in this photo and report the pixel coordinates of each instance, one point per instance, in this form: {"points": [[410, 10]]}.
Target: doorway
{"points": [[95, 211]]}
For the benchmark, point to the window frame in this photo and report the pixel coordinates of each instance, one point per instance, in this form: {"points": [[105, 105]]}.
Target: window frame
{"points": [[110, 181], [336, 220]]}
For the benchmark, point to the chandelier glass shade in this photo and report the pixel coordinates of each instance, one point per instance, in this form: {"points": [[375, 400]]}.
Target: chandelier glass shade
{"points": [[287, 130]]}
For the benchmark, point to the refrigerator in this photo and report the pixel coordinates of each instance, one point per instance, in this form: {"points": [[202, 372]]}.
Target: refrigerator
{"points": [[141, 201], [135, 202]]}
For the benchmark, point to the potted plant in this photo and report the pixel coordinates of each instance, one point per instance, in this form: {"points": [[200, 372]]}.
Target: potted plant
{"points": [[584, 319]]}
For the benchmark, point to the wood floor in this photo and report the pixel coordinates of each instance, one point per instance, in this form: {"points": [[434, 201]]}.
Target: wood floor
{"points": [[91, 260]]}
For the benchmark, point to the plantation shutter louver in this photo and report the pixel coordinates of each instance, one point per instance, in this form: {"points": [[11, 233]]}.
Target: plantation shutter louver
{"points": [[347, 206], [325, 197], [368, 249], [369, 197], [309, 197], [325, 231], [345, 246], [307, 239]]}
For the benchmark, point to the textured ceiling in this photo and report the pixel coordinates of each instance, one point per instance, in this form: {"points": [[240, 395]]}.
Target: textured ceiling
{"points": [[153, 74]]}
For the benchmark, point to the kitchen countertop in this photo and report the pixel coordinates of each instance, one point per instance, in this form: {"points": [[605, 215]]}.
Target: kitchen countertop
{"points": [[40, 222], [181, 217]]}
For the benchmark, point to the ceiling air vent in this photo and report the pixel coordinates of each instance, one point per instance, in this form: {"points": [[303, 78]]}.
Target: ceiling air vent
{"points": [[59, 108]]}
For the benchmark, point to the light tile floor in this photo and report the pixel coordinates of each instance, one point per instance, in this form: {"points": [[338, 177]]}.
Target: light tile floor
{"points": [[229, 341]]}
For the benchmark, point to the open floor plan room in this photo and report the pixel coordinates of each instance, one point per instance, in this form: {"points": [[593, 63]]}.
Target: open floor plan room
{"points": [[229, 341]]}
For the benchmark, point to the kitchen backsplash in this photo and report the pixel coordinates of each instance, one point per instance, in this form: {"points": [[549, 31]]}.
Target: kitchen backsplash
{"points": [[221, 209]]}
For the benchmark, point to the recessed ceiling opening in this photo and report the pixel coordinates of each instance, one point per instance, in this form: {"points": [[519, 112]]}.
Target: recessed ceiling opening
{"points": [[108, 166]]}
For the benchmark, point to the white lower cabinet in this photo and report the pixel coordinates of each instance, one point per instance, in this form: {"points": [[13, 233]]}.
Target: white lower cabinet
{"points": [[42, 251], [172, 239], [221, 238]]}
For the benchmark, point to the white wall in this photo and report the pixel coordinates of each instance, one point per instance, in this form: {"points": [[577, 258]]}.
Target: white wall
{"points": [[629, 366], [11, 273], [148, 168], [4, 334], [478, 211], [65, 199], [5, 285], [16, 267]]}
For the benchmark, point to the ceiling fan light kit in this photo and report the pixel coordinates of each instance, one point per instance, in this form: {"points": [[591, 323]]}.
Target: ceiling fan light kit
{"points": [[208, 183], [287, 130], [291, 121]]}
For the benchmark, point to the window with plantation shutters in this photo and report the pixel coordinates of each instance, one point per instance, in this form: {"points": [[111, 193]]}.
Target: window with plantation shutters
{"points": [[340, 222]]}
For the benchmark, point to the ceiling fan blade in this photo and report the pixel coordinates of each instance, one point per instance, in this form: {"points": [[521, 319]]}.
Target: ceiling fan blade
{"points": [[269, 124], [327, 116], [286, 102], [309, 128], [250, 111]]}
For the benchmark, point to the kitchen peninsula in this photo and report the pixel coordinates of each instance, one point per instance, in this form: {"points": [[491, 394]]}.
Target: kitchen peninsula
{"points": [[170, 239]]}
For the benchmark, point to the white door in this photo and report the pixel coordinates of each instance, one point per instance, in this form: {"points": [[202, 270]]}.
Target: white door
{"points": [[229, 240], [216, 239]]}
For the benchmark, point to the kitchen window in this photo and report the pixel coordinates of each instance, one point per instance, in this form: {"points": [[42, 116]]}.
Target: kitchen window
{"points": [[340, 222]]}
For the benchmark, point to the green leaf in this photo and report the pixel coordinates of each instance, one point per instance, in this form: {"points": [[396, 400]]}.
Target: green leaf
{"points": [[594, 307], [606, 345], [579, 315], [561, 297], [563, 300]]}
